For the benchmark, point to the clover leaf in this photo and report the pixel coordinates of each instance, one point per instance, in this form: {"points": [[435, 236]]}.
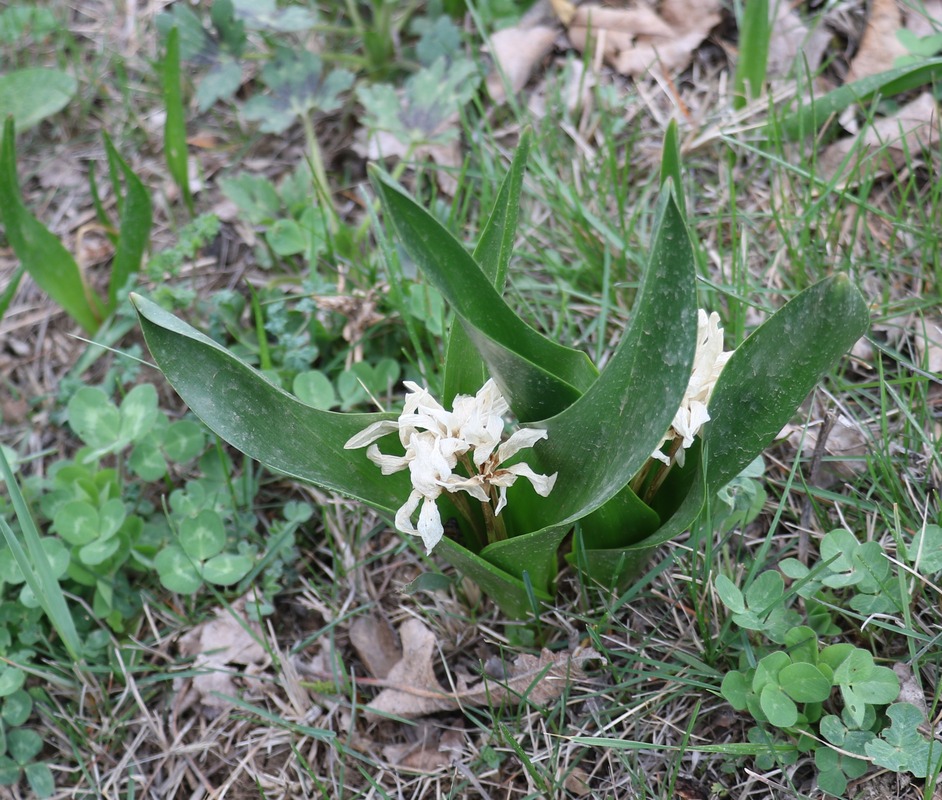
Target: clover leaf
{"points": [[902, 748]]}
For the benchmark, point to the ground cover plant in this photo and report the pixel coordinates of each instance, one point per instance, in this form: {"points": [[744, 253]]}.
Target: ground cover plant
{"points": [[329, 225]]}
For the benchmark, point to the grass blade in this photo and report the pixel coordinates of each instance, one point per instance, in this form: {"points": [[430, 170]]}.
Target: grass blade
{"points": [[175, 126]]}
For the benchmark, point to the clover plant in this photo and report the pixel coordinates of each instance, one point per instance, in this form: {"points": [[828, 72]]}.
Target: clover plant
{"points": [[599, 432], [792, 689]]}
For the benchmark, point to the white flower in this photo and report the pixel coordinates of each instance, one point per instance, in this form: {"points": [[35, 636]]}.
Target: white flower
{"points": [[708, 361], [435, 440]]}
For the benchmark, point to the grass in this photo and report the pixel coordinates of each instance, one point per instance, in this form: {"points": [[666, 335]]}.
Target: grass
{"points": [[649, 721]]}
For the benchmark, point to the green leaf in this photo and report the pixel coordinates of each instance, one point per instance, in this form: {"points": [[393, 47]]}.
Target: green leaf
{"points": [[203, 536], [11, 680], [40, 780], [599, 442], [139, 412], [183, 441], [23, 745], [175, 147], [76, 522], [760, 388], [30, 95], [99, 551], [298, 87], [9, 771], [729, 594], [94, 418], [42, 254], [147, 461], [537, 376], [16, 708], [226, 569], [753, 52], [286, 238], [902, 748], [133, 227], [238, 404], [315, 389], [925, 553], [778, 707], [812, 114], [177, 571], [671, 164], [805, 683], [464, 368], [736, 687]]}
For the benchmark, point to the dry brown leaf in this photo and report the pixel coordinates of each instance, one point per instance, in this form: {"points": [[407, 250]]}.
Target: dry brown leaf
{"points": [[927, 340], [375, 642], [879, 47], [791, 40], [517, 51], [381, 145], [909, 691], [846, 440], [227, 643], [414, 691], [886, 145], [633, 40]]}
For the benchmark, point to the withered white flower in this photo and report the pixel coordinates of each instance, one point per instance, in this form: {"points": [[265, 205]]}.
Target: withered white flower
{"points": [[435, 440], [708, 361]]}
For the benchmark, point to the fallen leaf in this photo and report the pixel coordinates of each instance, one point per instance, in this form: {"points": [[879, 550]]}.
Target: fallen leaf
{"points": [[381, 145], [225, 644], [634, 40], [909, 690], [791, 41], [879, 46], [412, 690], [375, 642], [516, 51], [886, 145], [928, 343], [846, 441]]}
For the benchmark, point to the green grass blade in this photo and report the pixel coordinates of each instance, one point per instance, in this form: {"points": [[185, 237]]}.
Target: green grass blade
{"points": [[10, 291], [811, 116], [39, 251], [753, 52], [175, 127], [35, 565], [134, 226]]}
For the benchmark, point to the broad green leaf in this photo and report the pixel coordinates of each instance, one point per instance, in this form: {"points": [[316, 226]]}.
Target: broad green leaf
{"points": [[134, 226], [99, 551], [203, 536], [16, 708], [226, 568], [94, 418], [812, 114], [77, 522], [9, 771], [139, 412], [805, 683], [314, 388], [729, 594], [537, 376], [177, 571], [261, 420], [778, 707], [11, 679], [509, 592], [599, 442], [286, 238], [465, 371], [736, 687], [925, 553], [147, 461], [42, 254], [23, 745], [30, 95], [183, 441], [902, 748], [759, 390], [40, 780]]}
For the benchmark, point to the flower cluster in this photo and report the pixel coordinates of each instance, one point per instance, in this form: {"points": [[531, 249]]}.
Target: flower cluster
{"points": [[435, 440], [708, 361]]}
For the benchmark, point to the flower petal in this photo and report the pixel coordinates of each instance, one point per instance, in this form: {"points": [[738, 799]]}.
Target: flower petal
{"points": [[430, 525], [403, 519], [525, 437], [371, 433], [388, 464]]}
